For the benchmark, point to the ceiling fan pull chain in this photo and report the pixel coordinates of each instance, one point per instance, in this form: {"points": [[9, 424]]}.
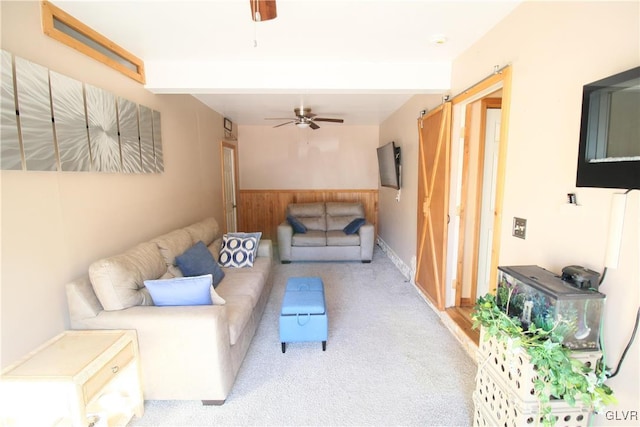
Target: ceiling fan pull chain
{"points": [[255, 34]]}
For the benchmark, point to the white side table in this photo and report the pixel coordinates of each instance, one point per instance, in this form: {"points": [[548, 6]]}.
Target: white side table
{"points": [[78, 378]]}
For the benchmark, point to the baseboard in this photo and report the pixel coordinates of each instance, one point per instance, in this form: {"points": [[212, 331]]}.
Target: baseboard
{"points": [[406, 271]]}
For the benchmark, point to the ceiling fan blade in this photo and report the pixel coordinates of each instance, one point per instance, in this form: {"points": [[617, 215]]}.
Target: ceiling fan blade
{"points": [[285, 123], [323, 119], [313, 126]]}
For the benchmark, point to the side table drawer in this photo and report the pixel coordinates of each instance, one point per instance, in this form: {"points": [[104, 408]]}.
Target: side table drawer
{"points": [[94, 384]]}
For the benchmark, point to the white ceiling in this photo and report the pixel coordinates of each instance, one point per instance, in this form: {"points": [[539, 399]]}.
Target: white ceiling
{"points": [[355, 59]]}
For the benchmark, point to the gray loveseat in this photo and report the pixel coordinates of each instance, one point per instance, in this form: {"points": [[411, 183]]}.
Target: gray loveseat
{"points": [[324, 238], [186, 352]]}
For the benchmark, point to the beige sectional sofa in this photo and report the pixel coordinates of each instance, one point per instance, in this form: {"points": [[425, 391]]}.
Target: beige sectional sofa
{"points": [[324, 238], [186, 352]]}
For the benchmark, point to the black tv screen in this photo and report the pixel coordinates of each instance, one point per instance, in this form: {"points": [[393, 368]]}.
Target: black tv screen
{"points": [[609, 149], [389, 165]]}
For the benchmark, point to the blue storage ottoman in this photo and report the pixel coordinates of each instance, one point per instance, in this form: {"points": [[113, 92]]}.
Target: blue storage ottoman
{"points": [[303, 316]]}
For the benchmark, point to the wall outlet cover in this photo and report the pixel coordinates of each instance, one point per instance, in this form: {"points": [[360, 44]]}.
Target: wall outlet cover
{"points": [[519, 227]]}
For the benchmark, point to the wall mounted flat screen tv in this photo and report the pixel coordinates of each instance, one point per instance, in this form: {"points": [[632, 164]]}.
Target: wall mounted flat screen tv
{"points": [[389, 165], [609, 150]]}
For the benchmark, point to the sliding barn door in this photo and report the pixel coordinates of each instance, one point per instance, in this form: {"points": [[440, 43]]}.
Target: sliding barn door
{"points": [[433, 202]]}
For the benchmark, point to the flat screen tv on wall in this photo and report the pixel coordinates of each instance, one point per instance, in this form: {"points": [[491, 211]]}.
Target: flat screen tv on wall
{"points": [[389, 165], [609, 150]]}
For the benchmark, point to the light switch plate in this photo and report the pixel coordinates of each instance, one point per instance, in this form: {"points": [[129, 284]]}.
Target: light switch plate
{"points": [[519, 227]]}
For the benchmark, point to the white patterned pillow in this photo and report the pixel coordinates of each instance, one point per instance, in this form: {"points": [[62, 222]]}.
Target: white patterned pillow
{"points": [[237, 251]]}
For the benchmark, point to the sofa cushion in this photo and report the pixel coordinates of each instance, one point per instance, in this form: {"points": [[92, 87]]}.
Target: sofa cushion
{"points": [[345, 209], [118, 281], [339, 222], [242, 281], [237, 251], [239, 311], [354, 226], [195, 290], [300, 210], [198, 261], [310, 214], [310, 238], [339, 238], [171, 245], [206, 230]]}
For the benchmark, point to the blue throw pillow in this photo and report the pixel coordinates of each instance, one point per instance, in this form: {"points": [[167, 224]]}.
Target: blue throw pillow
{"points": [[298, 227], [197, 261], [181, 290], [354, 226]]}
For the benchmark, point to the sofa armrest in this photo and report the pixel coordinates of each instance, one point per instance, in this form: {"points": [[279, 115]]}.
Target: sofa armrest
{"points": [[265, 248], [285, 235], [367, 238], [184, 350]]}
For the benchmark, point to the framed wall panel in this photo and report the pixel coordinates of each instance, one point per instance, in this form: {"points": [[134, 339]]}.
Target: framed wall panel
{"points": [[129, 136], [103, 129], [157, 142], [36, 128], [10, 152], [146, 139], [70, 123]]}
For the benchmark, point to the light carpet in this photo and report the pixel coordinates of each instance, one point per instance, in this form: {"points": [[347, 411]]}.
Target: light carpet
{"points": [[389, 361]]}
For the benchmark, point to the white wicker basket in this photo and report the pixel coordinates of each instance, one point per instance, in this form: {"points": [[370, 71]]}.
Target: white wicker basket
{"points": [[512, 366]]}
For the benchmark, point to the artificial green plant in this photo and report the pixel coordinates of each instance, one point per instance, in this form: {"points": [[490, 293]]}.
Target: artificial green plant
{"points": [[559, 376]]}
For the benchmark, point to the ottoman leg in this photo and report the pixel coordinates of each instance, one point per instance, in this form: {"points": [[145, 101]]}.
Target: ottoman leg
{"points": [[324, 345], [284, 347]]}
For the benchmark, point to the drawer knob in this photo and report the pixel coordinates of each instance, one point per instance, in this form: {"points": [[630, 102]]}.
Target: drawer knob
{"points": [[115, 369]]}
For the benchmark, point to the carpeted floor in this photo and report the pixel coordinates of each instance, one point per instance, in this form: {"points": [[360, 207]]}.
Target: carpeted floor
{"points": [[389, 361]]}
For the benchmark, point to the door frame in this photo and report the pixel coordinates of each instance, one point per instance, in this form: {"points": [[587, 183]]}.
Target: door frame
{"points": [[500, 80], [226, 145]]}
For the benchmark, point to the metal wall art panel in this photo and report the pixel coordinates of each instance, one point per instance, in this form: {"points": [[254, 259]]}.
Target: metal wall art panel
{"points": [[36, 127], [70, 123], [157, 142], [10, 153], [146, 139], [103, 129], [129, 137]]}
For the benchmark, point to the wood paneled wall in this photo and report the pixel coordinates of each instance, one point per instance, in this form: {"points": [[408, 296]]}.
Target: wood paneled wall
{"points": [[263, 210]]}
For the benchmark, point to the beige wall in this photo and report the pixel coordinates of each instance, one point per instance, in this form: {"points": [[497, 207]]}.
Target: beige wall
{"points": [[332, 157], [55, 224], [555, 48], [397, 219]]}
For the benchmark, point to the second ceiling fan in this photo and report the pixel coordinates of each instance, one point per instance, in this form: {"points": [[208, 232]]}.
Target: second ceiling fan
{"points": [[305, 119]]}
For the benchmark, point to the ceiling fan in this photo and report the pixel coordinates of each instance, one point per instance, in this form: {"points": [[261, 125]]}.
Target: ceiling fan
{"points": [[305, 119]]}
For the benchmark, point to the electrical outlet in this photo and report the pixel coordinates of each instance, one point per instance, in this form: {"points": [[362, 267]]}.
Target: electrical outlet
{"points": [[519, 227]]}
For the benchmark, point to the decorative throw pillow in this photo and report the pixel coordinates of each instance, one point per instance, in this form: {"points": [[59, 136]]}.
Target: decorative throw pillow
{"points": [[354, 226], [198, 261], [257, 235], [183, 291], [298, 227], [237, 251]]}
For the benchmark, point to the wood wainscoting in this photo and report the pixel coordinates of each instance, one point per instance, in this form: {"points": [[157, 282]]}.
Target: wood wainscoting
{"points": [[264, 210]]}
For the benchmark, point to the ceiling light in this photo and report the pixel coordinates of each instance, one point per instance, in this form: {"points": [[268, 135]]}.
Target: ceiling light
{"points": [[302, 125], [438, 39]]}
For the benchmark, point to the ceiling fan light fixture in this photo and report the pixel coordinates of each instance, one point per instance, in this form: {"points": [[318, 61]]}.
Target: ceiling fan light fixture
{"points": [[302, 125]]}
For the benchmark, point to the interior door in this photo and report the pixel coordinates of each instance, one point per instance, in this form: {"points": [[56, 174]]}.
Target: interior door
{"points": [[433, 202], [229, 187]]}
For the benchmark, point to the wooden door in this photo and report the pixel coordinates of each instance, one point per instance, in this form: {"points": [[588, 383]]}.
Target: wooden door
{"points": [[433, 202], [229, 179]]}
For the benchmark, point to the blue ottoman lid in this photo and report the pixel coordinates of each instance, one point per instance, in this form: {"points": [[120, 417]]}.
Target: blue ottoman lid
{"points": [[311, 302], [304, 284]]}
